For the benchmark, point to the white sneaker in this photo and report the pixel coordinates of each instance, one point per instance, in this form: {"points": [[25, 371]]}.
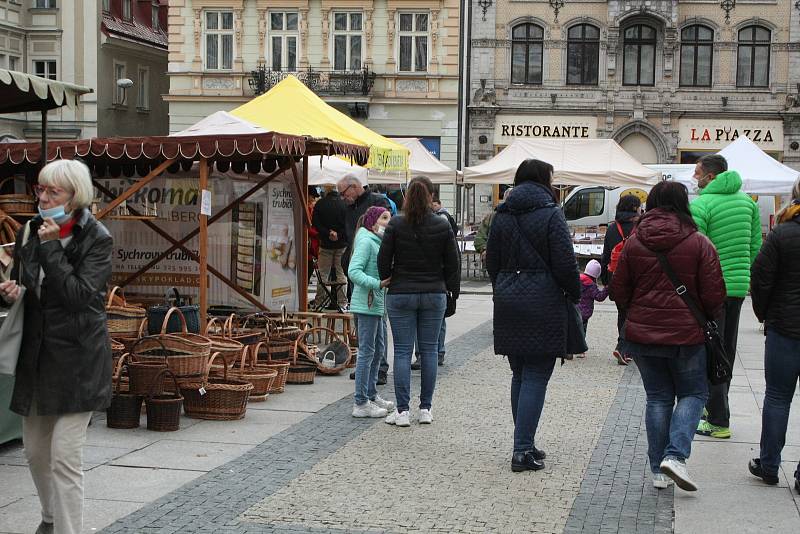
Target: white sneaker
{"points": [[383, 403], [425, 417], [398, 418], [676, 470], [368, 410], [661, 481]]}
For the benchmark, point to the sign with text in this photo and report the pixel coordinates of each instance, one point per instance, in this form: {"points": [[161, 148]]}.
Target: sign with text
{"points": [[508, 127], [716, 135]]}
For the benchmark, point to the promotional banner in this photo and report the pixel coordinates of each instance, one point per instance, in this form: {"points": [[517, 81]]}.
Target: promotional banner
{"points": [[253, 245]]}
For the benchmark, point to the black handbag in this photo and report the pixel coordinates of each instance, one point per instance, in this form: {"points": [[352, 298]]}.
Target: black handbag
{"points": [[718, 364], [450, 310]]}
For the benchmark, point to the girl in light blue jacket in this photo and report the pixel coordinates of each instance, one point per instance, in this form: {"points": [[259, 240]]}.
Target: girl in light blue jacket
{"points": [[367, 304]]}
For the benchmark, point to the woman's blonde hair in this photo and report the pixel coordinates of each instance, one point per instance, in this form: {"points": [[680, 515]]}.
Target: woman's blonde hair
{"points": [[72, 176]]}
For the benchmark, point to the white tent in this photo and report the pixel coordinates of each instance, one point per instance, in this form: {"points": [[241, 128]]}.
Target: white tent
{"points": [[329, 170], [761, 173], [575, 162], [221, 123], [420, 163]]}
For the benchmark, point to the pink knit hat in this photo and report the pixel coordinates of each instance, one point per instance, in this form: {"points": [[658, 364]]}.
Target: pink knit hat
{"points": [[593, 268], [372, 215]]}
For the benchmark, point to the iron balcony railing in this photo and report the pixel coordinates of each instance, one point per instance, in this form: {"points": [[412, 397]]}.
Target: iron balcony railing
{"points": [[322, 82]]}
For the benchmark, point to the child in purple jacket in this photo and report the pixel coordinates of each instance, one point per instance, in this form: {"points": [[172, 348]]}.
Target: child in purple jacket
{"points": [[590, 293]]}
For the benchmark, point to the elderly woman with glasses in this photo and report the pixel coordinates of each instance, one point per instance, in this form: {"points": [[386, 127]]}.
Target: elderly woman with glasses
{"points": [[62, 259]]}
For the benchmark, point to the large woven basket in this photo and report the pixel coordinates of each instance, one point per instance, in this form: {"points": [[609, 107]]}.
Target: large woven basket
{"points": [[17, 203], [122, 317], [164, 409], [186, 353], [129, 340], [261, 376], [229, 348], [125, 408], [144, 375], [317, 343], [220, 399], [236, 329], [261, 354]]}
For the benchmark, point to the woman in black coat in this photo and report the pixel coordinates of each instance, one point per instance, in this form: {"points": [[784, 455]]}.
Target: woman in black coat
{"points": [[775, 288], [628, 209], [532, 266], [62, 258]]}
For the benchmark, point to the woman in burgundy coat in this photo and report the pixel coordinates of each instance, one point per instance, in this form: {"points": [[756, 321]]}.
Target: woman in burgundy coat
{"points": [[660, 332]]}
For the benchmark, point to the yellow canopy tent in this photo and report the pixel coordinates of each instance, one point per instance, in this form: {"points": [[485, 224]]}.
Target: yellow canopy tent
{"points": [[292, 108]]}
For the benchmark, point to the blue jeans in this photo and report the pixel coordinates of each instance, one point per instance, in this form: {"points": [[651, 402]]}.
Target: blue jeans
{"points": [[415, 316], [782, 372], [671, 426], [528, 389], [371, 345]]}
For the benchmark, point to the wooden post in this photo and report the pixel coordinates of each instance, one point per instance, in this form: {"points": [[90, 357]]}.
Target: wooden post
{"points": [[302, 266], [204, 243]]}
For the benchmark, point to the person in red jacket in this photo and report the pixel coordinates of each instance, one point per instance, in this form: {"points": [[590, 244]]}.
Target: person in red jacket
{"points": [[660, 332]]}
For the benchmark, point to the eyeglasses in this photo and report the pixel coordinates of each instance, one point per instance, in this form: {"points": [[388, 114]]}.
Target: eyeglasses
{"points": [[52, 192], [345, 190]]}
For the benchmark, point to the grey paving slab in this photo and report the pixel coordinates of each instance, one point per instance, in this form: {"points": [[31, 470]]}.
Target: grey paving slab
{"points": [[187, 455], [137, 484], [15, 483]]}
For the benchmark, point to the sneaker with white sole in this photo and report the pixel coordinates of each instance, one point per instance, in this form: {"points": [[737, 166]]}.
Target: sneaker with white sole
{"points": [[398, 418], [383, 403], [661, 481], [368, 409], [425, 417], [676, 470]]}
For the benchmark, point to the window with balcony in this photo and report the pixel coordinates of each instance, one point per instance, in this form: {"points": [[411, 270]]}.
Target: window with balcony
{"points": [[348, 35], [583, 54], [219, 40], [143, 89], [45, 69], [119, 73], [697, 52], [527, 50], [284, 38], [413, 42], [154, 9], [45, 4], [752, 66], [127, 10], [639, 58]]}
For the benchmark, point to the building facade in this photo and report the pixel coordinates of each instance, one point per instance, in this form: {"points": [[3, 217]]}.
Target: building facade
{"points": [[669, 80], [391, 64], [80, 41]]}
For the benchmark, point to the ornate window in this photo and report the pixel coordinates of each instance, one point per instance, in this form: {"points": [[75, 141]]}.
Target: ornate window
{"points": [[697, 52], [218, 37], [583, 54], [639, 58], [348, 36], [413, 42], [284, 38], [527, 50], [752, 65]]}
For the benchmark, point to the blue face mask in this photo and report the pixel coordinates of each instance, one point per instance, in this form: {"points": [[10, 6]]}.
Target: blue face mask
{"points": [[58, 214]]}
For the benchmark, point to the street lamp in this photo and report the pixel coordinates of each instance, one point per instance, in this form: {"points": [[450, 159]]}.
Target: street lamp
{"points": [[727, 6], [124, 84], [484, 5], [556, 6]]}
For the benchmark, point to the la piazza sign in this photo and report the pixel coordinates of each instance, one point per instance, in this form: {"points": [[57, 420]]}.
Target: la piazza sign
{"points": [[767, 134], [508, 127]]}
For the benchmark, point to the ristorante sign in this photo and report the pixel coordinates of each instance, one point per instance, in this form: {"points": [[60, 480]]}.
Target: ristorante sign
{"points": [[509, 127], [768, 134]]}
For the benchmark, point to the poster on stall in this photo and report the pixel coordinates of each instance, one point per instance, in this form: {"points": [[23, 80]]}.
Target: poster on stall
{"points": [[253, 245]]}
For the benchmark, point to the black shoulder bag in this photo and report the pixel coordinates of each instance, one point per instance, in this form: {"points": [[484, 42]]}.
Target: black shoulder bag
{"points": [[719, 365], [576, 337]]}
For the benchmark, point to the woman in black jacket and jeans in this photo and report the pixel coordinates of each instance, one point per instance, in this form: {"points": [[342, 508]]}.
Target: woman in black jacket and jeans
{"points": [[419, 254], [628, 209], [532, 266], [775, 289]]}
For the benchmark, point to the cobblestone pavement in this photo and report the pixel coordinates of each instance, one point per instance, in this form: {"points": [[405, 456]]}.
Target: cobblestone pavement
{"points": [[332, 473]]}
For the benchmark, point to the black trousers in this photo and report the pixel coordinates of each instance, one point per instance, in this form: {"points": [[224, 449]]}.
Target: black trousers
{"points": [[719, 412]]}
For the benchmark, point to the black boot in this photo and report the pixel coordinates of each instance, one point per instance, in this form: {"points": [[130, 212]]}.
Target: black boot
{"points": [[381, 378], [755, 469], [539, 454], [524, 461]]}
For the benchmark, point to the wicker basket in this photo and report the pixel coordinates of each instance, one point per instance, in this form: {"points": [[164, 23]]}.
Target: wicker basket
{"points": [[164, 410], [220, 399], [302, 372], [261, 354], [125, 408], [186, 353], [17, 204], [145, 374], [129, 340], [229, 348], [314, 342], [261, 376], [236, 330], [122, 318]]}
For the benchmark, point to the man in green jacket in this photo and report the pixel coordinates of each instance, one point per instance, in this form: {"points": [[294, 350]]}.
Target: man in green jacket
{"points": [[730, 219], [483, 230]]}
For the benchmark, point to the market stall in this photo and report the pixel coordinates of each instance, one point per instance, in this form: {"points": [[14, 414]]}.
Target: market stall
{"points": [[575, 162]]}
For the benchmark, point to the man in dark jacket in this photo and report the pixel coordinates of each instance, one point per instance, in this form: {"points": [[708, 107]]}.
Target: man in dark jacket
{"points": [[775, 288], [329, 217], [359, 199], [628, 209]]}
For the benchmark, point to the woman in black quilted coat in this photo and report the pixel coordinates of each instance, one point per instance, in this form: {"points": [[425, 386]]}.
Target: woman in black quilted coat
{"points": [[533, 270]]}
